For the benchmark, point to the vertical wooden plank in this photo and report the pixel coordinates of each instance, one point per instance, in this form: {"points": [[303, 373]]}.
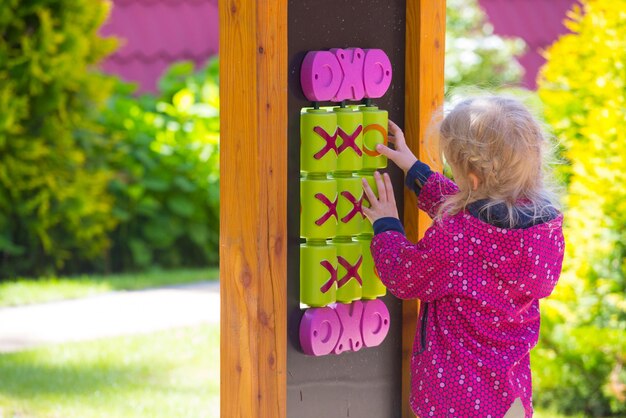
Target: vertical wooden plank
{"points": [[425, 51], [238, 263], [272, 154], [253, 226]]}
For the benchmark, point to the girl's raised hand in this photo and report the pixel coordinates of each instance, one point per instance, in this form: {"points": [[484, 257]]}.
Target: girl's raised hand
{"points": [[383, 206], [402, 155]]}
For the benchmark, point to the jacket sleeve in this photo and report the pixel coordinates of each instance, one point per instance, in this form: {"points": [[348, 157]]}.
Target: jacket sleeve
{"points": [[434, 192], [411, 271]]}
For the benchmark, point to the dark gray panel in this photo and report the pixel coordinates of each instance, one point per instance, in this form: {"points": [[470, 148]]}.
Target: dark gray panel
{"points": [[367, 383]]}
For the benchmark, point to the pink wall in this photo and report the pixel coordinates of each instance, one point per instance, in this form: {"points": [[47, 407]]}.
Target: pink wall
{"points": [[159, 32], [538, 22], [156, 33]]}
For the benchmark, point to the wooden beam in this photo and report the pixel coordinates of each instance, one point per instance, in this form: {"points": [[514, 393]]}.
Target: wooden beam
{"points": [[253, 197], [425, 51]]}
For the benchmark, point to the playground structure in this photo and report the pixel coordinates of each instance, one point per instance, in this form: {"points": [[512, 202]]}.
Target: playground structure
{"points": [[266, 369]]}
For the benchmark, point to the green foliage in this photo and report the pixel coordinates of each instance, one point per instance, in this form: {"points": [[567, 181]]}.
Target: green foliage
{"points": [[474, 55], [53, 202], [84, 186], [583, 89], [165, 155]]}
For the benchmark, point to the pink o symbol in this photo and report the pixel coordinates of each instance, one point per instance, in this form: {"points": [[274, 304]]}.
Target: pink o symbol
{"points": [[319, 331], [320, 76], [374, 322], [376, 73]]}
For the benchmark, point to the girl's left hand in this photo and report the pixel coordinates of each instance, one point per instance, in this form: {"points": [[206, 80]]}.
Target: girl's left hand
{"points": [[385, 205]]}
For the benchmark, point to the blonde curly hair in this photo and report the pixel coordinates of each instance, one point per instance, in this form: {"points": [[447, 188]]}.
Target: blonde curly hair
{"points": [[498, 140]]}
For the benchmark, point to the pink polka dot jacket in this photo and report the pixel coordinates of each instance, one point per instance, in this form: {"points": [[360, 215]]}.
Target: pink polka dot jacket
{"points": [[482, 285]]}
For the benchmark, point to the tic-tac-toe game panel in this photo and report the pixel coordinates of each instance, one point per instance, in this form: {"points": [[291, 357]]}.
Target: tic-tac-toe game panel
{"points": [[346, 74]]}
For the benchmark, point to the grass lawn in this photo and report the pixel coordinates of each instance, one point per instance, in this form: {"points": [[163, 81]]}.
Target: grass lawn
{"points": [[168, 374], [171, 374], [27, 291]]}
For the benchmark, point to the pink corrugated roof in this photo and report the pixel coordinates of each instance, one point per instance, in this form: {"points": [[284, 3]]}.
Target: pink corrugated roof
{"points": [[538, 22], [156, 33], [159, 32]]}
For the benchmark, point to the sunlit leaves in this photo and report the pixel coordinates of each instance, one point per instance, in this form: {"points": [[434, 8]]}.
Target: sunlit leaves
{"points": [[583, 88], [166, 156]]}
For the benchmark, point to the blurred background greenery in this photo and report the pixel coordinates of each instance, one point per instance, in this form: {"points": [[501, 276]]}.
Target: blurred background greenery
{"points": [[578, 365], [96, 178]]}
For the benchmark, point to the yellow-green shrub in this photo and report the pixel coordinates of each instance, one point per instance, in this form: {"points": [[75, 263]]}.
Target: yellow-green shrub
{"points": [[53, 203], [583, 87]]}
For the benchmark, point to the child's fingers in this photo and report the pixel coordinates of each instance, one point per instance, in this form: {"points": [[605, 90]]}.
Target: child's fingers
{"points": [[382, 193], [389, 189], [367, 212], [393, 128], [395, 134], [386, 151], [369, 192]]}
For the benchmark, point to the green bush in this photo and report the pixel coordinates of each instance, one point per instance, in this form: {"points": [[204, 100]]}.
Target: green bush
{"points": [[87, 187], [583, 342], [53, 203], [165, 154]]}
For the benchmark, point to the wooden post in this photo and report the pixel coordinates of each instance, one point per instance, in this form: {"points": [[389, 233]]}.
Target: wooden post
{"points": [[253, 96], [425, 51]]}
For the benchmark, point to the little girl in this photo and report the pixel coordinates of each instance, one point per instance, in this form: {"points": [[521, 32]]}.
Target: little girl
{"points": [[495, 248]]}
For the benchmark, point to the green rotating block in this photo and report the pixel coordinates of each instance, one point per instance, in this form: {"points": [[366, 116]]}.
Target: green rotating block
{"points": [[318, 141], [349, 139], [375, 122], [372, 286], [366, 225], [318, 273], [349, 260], [318, 207], [349, 200]]}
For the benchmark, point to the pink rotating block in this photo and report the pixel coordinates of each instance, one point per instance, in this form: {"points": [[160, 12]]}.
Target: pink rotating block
{"points": [[350, 315], [351, 61], [374, 322], [376, 73], [320, 76], [319, 331]]}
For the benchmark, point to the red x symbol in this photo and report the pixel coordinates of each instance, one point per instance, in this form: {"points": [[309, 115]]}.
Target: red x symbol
{"points": [[352, 271], [349, 141], [333, 276], [331, 142], [356, 206], [332, 209]]}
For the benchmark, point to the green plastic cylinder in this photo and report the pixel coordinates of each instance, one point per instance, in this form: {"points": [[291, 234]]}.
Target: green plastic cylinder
{"points": [[349, 139], [318, 141], [350, 217], [375, 122], [372, 286], [318, 262], [366, 225], [348, 275], [318, 207]]}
